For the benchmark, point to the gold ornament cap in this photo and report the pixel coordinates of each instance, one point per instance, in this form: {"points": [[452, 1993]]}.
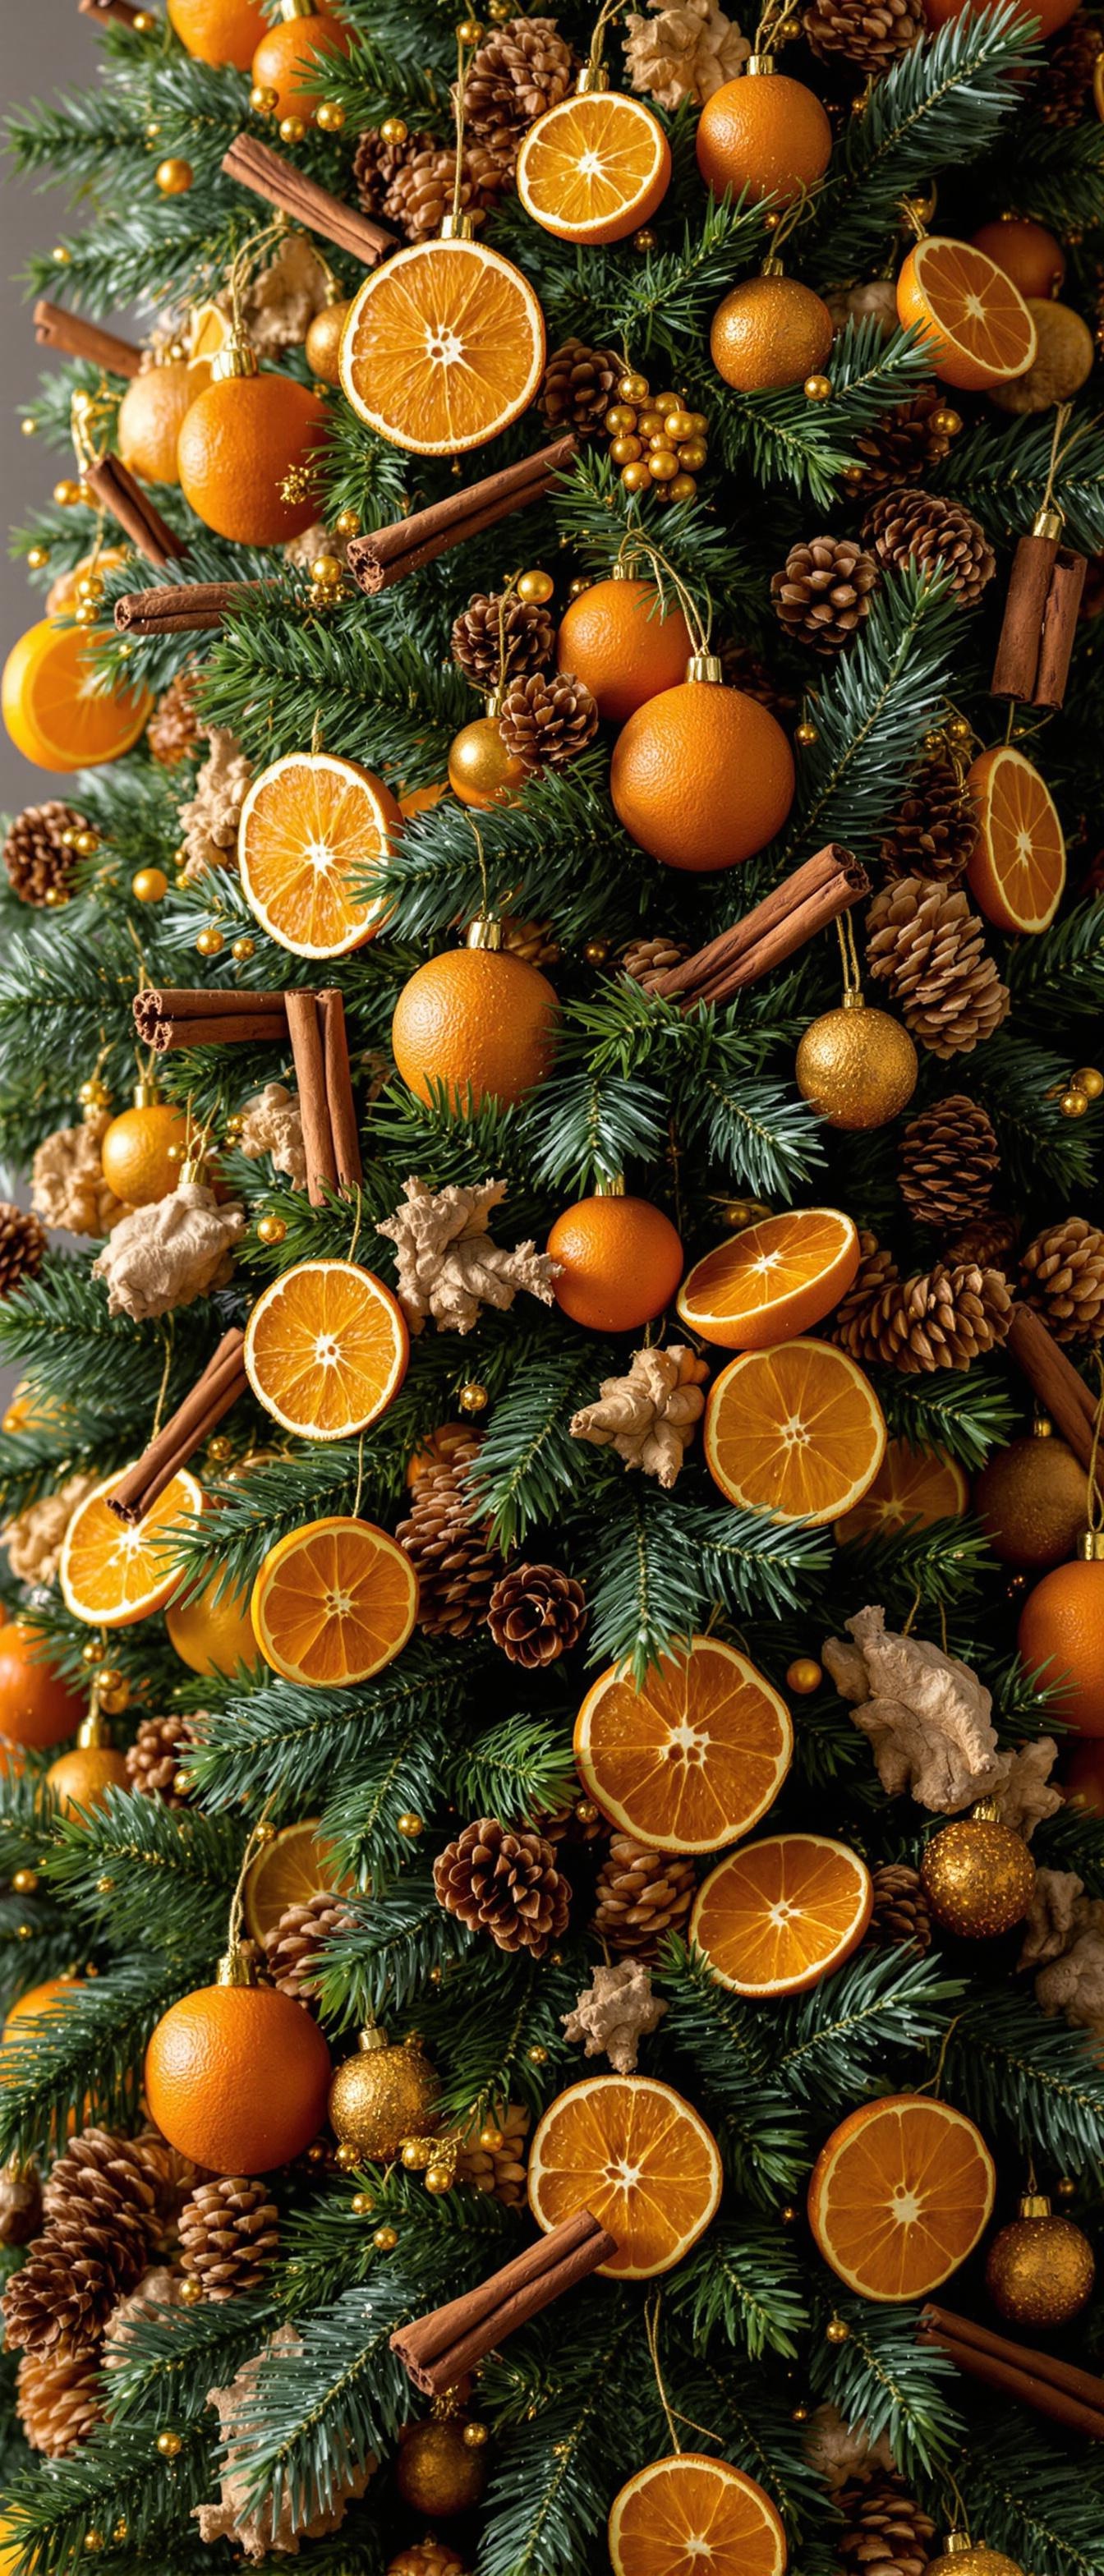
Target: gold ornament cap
{"points": [[1034, 2204], [483, 932], [759, 65], [706, 666], [238, 358], [146, 1095], [593, 76], [456, 228], [235, 1968], [298, 8], [1090, 1547], [1048, 523]]}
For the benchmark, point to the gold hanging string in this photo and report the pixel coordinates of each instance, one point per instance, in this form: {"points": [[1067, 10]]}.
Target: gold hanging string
{"points": [[608, 11], [164, 1386], [242, 265], [485, 898], [849, 955], [1096, 1493], [255, 1840], [360, 1478], [465, 55], [698, 620], [1062, 415], [775, 25], [674, 2415]]}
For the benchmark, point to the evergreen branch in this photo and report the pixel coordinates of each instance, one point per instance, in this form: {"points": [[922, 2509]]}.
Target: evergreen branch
{"points": [[883, 2378], [965, 1415], [548, 2497], [761, 2131], [1022, 2075], [140, 1870], [940, 1562], [519, 1768], [873, 711], [292, 1745], [1025, 2495], [743, 2281], [57, 2064], [1001, 472], [830, 2044], [384, 1961], [385, 704], [115, 2480], [528, 1462], [558, 854]]}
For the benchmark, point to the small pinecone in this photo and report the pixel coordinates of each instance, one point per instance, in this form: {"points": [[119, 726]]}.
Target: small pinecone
{"points": [[872, 34], [546, 719], [647, 959], [578, 387], [823, 593], [639, 1895], [102, 2205], [57, 2400], [536, 1612], [420, 192], [294, 1946], [927, 945], [885, 2530], [20, 2203], [528, 638], [500, 2170], [153, 1760], [949, 1154], [173, 728], [1062, 1275], [908, 526], [375, 164], [456, 1566], [518, 71], [532, 940], [900, 1908], [1066, 77], [38, 866], [22, 1244], [990, 1240], [505, 1882], [933, 831], [903, 444], [941, 1318], [426, 2558], [876, 1272], [229, 2233]]}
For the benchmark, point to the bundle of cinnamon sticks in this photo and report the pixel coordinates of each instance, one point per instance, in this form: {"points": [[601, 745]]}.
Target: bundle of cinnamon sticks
{"points": [[190, 1016], [388, 554], [773, 930], [1040, 619], [1071, 2397], [220, 1385], [124, 500], [438, 2349], [319, 1046], [1061, 1392]]}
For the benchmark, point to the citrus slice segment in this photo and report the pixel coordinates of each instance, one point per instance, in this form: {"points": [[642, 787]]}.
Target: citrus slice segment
{"points": [[594, 168], [443, 347], [775, 1278], [694, 2516], [917, 1485], [692, 1758], [796, 1431], [334, 1602], [289, 1870], [782, 1913], [1017, 866], [211, 332], [899, 2195], [313, 830], [326, 1349], [115, 1572], [967, 310], [631, 2150], [57, 708]]}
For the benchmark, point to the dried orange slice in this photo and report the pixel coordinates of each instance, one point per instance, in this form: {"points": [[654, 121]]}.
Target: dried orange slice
{"points": [[693, 1758], [1018, 863], [443, 347], [917, 1485], [334, 1602], [782, 1913], [693, 2516], [973, 319], [326, 1349], [289, 1870], [774, 1279], [594, 168], [631, 2150], [899, 2195], [57, 708], [114, 1572], [211, 331], [313, 830], [797, 1431]]}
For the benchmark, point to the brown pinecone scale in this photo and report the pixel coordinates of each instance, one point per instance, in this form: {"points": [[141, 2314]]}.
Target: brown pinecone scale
{"points": [[518, 71], [927, 945], [20, 2202], [989, 1240], [501, 637], [229, 2232], [647, 959], [547, 718], [640, 1895], [504, 1881], [823, 592], [884, 2529], [173, 728], [39, 865], [942, 1318], [903, 444], [536, 1612], [294, 1947], [933, 831], [877, 1271], [872, 34], [907, 526], [22, 1245], [901, 1912], [578, 386], [58, 2400], [153, 1760], [421, 191], [456, 1565], [949, 1157], [103, 2206], [1062, 1275]]}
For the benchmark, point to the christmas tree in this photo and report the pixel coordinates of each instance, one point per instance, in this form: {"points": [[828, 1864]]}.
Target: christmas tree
{"points": [[552, 1826]]}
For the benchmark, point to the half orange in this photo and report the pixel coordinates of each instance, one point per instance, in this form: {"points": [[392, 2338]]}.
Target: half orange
{"points": [[912, 1485], [694, 2516], [289, 1870], [631, 2150], [326, 1349], [900, 2194], [796, 1431], [782, 1913], [57, 708], [691, 1759], [443, 347], [313, 831], [1017, 865], [333, 1603], [973, 320], [594, 168], [115, 1572], [774, 1279]]}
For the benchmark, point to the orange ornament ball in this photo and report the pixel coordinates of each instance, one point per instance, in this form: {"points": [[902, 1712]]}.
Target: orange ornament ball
{"points": [[1049, 15], [478, 1022], [288, 61], [37, 1708], [49, 1997], [765, 133], [135, 1152], [213, 1635], [80, 1780], [768, 332], [620, 1259], [219, 31], [151, 415], [237, 2078], [1028, 254], [240, 441], [481, 772], [625, 648], [702, 776], [1062, 1627]]}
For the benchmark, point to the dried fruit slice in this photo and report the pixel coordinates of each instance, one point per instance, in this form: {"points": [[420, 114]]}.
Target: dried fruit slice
{"points": [[917, 1485], [782, 1913], [313, 831], [211, 331], [56, 706], [693, 1758], [594, 168], [334, 1602], [1017, 866], [694, 2516], [899, 2195], [289, 1870], [326, 1349], [114, 1572], [631, 2150], [774, 1279], [974, 320], [443, 347], [796, 1431]]}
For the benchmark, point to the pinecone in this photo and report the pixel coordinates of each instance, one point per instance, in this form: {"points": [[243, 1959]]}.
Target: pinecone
{"points": [[1062, 1275], [885, 2530], [647, 959], [294, 1946], [532, 940], [229, 2233], [942, 1318], [504, 1882], [173, 728], [22, 1244], [900, 1908], [848, 1326], [518, 71], [426, 2558], [639, 1895], [903, 443], [1063, 84], [823, 593], [933, 831], [546, 719], [909, 526], [500, 2170], [989, 1240], [103, 2205], [578, 386], [376, 162], [420, 192], [949, 1154], [927, 945], [153, 1760], [20, 2202], [456, 1565], [39, 866], [57, 2400], [493, 621], [869, 33], [536, 1612]]}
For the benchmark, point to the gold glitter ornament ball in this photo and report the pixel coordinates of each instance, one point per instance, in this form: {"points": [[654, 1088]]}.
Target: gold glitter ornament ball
{"points": [[383, 2095], [435, 2471], [1032, 1499], [977, 1876], [963, 2557], [1040, 2269], [858, 1067]]}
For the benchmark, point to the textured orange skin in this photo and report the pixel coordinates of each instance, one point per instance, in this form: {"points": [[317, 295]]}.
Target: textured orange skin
{"points": [[475, 1019], [1062, 1625], [1026, 251], [769, 135], [624, 654], [237, 2077], [41, 1999], [768, 332], [219, 31], [151, 416], [83, 1777], [237, 443], [213, 1636], [702, 777], [282, 54], [36, 1707], [622, 1262]]}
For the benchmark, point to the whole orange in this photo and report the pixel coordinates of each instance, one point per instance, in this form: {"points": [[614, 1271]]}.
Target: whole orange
{"points": [[219, 31], [623, 645], [1050, 14], [1027, 252], [36, 1707], [283, 62], [41, 1999], [769, 331], [621, 1262], [478, 1021], [213, 1636], [82, 1778], [1062, 1626], [768, 134], [135, 1154], [237, 2078], [702, 776], [150, 417], [239, 441]]}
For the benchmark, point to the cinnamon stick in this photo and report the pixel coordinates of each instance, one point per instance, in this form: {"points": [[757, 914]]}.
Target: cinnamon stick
{"points": [[57, 329], [169, 1019], [339, 1090], [1021, 630], [254, 165], [117, 492], [804, 902], [181, 607], [437, 2350], [119, 13], [220, 1385], [310, 1076], [386, 555], [1061, 1392], [1063, 608], [1038, 2379]]}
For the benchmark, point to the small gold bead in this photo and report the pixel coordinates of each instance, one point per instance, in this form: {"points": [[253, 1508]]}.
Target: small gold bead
{"points": [[578, 585], [693, 454], [394, 129], [243, 949], [788, 2214], [347, 524], [410, 1825], [436, 1976], [85, 613], [416, 2154], [271, 1229], [363, 2203], [596, 951], [645, 240], [326, 571], [262, 100], [348, 2157], [772, 219], [805, 733], [537, 2055], [817, 388], [153, 129], [535, 587], [637, 477], [104, 1886], [109, 1678], [317, 2152], [149, 885], [491, 2137], [90, 1651], [174, 177], [439, 2178], [633, 388], [1074, 1102], [960, 730], [24, 1931], [469, 31], [682, 489], [93, 2541], [292, 129], [626, 449], [473, 1397], [66, 494], [210, 942], [170, 2444], [30, 430], [799, 2414], [330, 117], [55, 897], [385, 2240], [946, 422], [181, 879], [1089, 1079], [182, 1784], [25, 1882], [122, 2528], [142, 24], [1066, 2188], [804, 1675], [37, 557], [61, 256], [190, 2291], [474, 2436], [86, 844], [219, 1449], [836, 2330], [586, 1811]]}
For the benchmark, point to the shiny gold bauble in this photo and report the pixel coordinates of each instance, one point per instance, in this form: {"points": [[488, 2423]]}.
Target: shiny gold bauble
{"points": [[1032, 1500], [347, 523], [394, 129], [535, 587], [174, 177], [330, 116], [435, 2472], [473, 1398], [243, 949], [1088, 1077], [858, 1067], [1040, 2269], [323, 342], [804, 1675], [963, 2557], [80, 1780], [1074, 1102], [170, 2444], [271, 1229], [210, 942], [737, 1213], [481, 771], [137, 1151], [977, 1876], [383, 2095], [149, 885]]}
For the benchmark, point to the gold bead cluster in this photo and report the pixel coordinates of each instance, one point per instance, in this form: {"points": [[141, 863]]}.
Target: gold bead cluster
{"points": [[1083, 1087], [656, 440]]}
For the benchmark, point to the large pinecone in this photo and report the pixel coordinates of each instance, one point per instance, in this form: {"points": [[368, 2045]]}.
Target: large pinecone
{"points": [[173, 728], [578, 386], [22, 1245], [1062, 1274], [547, 718], [39, 866], [57, 2400], [902, 445], [103, 2206], [949, 1154], [294, 1947], [536, 1612], [421, 190], [1063, 84], [934, 829], [153, 1760], [495, 622], [941, 1318], [640, 1894], [500, 2170], [518, 71], [456, 1565], [20, 2202], [869, 33], [504, 1881], [885, 2531], [901, 1911], [877, 1270], [647, 959], [927, 945], [909, 526], [823, 592], [229, 2232]]}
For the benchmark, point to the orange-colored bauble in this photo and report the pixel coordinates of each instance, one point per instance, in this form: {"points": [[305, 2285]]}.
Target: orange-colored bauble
{"points": [[219, 31], [702, 776], [239, 442], [142, 1151], [623, 646], [766, 133], [37, 1708], [237, 2078], [1026, 252], [151, 415], [1062, 1626], [1049, 14], [286, 61], [1083, 1773], [40, 1999], [768, 332], [80, 1780], [621, 1262], [213, 1635], [477, 1021]]}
